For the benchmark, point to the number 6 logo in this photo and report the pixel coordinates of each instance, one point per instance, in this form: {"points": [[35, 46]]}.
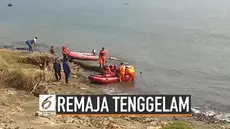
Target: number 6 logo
{"points": [[45, 102]]}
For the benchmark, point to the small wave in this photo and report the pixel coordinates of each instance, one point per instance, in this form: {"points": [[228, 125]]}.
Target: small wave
{"points": [[210, 116]]}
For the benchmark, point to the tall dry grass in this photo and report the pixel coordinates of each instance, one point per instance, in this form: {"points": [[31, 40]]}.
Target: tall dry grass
{"points": [[22, 70]]}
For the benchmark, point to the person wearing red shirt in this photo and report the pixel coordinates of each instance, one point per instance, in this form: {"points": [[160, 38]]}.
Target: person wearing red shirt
{"points": [[108, 71]]}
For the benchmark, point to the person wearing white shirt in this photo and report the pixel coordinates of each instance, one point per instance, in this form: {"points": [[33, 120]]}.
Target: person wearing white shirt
{"points": [[31, 42]]}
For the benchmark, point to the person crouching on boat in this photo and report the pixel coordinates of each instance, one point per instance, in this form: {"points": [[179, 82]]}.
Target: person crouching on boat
{"points": [[94, 52], [122, 72], [114, 69], [130, 71], [65, 51], [103, 56], [108, 71]]}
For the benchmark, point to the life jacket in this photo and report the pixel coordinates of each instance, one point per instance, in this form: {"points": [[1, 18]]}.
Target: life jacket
{"points": [[130, 69], [103, 53], [122, 69]]}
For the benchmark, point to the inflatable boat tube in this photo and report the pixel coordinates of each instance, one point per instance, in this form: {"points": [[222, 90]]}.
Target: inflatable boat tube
{"points": [[103, 79], [82, 56]]}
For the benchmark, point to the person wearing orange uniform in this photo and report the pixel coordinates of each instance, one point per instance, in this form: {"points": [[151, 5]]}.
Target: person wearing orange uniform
{"points": [[122, 72], [131, 72], [103, 56]]}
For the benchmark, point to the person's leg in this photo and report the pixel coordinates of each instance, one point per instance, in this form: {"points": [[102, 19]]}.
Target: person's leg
{"points": [[121, 77], [133, 77], [103, 61], [28, 44], [56, 75], [66, 77], [130, 78], [124, 78], [59, 74], [31, 49], [100, 62]]}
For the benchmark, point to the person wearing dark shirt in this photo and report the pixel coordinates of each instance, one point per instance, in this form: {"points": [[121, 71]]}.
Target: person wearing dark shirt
{"points": [[66, 69], [52, 50], [57, 70]]}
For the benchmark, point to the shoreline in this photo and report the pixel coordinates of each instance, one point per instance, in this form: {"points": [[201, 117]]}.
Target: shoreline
{"points": [[77, 85], [92, 67]]}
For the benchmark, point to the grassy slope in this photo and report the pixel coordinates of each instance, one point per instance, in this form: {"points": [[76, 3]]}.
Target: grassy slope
{"points": [[21, 71]]}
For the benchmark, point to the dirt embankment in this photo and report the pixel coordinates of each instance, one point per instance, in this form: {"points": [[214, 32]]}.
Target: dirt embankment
{"points": [[24, 76]]}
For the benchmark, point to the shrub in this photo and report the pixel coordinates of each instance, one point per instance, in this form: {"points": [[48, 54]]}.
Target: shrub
{"points": [[17, 78], [178, 125], [3, 70], [22, 71]]}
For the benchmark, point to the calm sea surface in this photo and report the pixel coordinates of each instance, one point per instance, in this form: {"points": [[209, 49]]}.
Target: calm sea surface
{"points": [[181, 46]]}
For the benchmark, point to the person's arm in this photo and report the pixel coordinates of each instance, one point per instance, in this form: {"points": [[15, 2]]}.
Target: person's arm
{"points": [[106, 53]]}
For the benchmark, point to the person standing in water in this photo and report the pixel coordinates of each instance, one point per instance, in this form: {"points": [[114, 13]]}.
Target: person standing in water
{"points": [[31, 43], [122, 72], [66, 69], [131, 72]]}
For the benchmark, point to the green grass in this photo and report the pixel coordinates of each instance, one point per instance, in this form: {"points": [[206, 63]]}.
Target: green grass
{"points": [[178, 125]]}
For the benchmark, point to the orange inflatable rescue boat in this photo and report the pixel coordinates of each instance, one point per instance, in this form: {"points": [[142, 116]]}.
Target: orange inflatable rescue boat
{"points": [[103, 79], [82, 56]]}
